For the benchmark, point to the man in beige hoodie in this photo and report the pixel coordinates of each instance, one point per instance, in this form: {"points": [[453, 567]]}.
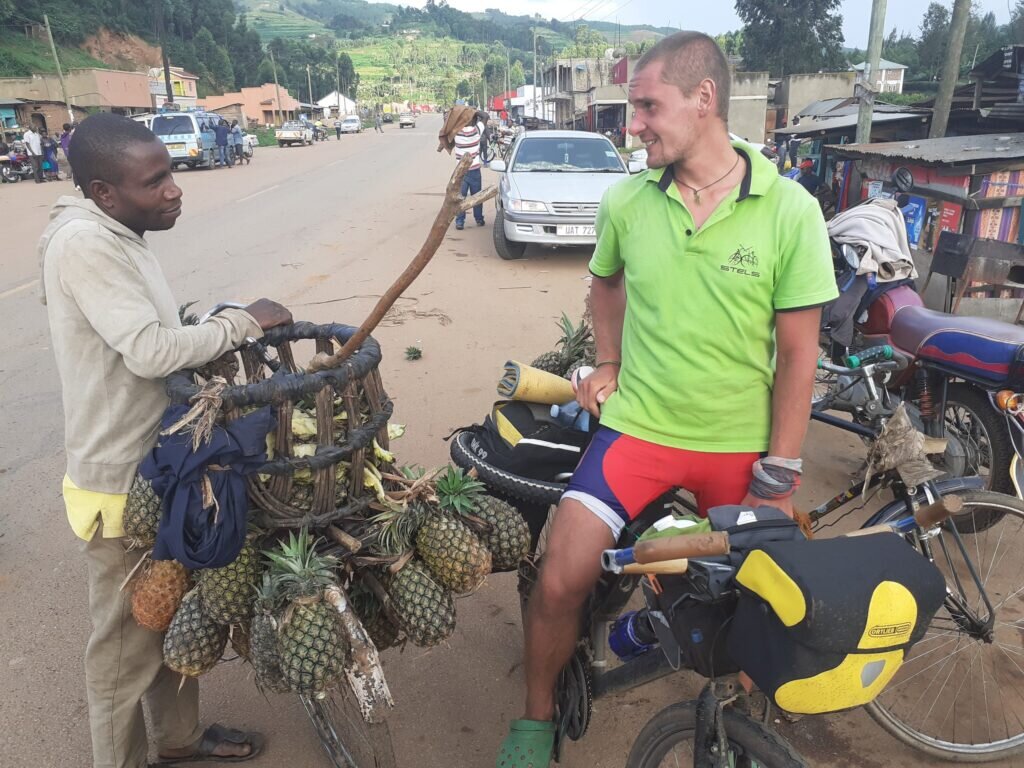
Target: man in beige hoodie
{"points": [[116, 335]]}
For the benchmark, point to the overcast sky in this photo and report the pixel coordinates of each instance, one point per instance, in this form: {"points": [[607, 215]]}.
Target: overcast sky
{"points": [[714, 17]]}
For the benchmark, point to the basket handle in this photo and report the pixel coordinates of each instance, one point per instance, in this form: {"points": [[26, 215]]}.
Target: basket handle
{"points": [[250, 341]]}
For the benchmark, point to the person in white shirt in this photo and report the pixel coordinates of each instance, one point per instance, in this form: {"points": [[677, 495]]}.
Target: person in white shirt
{"points": [[34, 146], [467, 141]]}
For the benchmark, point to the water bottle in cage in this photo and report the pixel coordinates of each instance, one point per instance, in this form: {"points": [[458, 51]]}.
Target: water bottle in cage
{"points": [[632, 635]]}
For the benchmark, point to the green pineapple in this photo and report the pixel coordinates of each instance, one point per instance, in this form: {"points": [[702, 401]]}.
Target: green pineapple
{"points": [[507, 536], [194, 642], [264, 652], [312, 646], [571, 348], [228, 592], [142, 512], [425, 608], [378, 626]]}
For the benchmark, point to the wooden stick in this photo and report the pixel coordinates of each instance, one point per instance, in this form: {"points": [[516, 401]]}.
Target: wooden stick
{"points": [[364, 672], [351, 543], [453, 203]]}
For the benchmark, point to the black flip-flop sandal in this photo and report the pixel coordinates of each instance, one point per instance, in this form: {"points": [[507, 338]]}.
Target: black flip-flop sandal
{"points": [[213, 737]]}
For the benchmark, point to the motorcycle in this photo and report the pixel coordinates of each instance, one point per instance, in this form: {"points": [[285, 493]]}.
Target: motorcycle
{"points": [[964, 375], [15, 167]]}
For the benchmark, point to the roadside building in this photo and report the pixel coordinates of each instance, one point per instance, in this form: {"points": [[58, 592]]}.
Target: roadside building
{"points": [[39, 98], [969, 187], [888, 78], [789, 95], [259, 104], [183, 87], [336, 104]]}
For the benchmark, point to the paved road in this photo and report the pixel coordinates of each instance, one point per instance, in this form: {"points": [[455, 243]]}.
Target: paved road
{"points": [[323, 229]]}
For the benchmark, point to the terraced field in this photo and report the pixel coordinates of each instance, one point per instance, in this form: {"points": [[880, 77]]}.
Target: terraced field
{"points": [[267, 19]]}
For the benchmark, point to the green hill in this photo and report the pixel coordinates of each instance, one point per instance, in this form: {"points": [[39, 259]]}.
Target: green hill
{"points": [[21, 56]]}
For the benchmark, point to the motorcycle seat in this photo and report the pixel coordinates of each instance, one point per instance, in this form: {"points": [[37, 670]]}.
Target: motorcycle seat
{"points": [[977, 347]]}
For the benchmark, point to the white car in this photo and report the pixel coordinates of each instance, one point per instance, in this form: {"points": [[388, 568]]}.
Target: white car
{"points": [[640, 155], [294, 132], [550, 189], [352, 124], [407, 119]]}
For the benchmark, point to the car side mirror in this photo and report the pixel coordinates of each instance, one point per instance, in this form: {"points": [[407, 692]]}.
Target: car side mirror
{"points": [[498, 166], [636, 166], [903, 179]]}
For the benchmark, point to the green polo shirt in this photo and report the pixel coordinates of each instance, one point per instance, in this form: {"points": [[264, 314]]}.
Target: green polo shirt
{"points": [[698, 340]]}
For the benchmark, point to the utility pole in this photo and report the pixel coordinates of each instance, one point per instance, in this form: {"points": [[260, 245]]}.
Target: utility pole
{"points": [[164, 58], [534, 71], [309, 83], [337, 89], [277, 89], [950, 69], [60, 72], [876, 33]]}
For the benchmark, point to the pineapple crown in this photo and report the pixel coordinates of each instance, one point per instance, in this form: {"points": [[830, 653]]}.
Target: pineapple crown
{"points": [[573, 338], [458, 492], [298, 570]]}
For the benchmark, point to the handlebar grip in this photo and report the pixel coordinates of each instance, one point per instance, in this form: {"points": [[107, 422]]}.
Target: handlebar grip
{"points": [[686, 545], [868, 356], [880, 528], [933, 514], [663, 567]]}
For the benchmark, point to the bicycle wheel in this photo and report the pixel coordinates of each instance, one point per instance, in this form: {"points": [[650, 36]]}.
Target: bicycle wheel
{"points": [[667, 741], [348, 740], [960, 692]]}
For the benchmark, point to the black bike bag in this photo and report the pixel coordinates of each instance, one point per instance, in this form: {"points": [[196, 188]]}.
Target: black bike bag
{"points": [[824, 625]]}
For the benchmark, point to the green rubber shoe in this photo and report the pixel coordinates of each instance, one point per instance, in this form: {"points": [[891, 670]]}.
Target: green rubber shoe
{"points": [[529, 744]]}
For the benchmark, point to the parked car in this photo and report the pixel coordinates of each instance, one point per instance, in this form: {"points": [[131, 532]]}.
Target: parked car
{"points": [[389, 117], [550, 189], [188, 136], [640, 155], [294, 132], [352, 124], [407, 119]]}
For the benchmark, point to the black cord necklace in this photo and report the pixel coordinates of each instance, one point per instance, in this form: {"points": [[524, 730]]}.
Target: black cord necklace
{"points": [[696, 191]]}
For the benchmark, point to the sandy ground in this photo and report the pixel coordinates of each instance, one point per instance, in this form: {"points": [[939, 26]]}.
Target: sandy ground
{"points": [[325, 229]]}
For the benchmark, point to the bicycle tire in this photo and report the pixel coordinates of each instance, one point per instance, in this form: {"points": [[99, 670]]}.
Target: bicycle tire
{"points": [[524, 488], [677, 723], [941, 741], [348, 740]]}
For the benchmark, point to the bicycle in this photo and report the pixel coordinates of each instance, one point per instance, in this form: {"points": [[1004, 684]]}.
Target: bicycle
{"points": [[968, 620]]}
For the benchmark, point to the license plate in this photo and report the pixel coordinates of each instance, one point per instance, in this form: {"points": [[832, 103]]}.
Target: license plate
{"points": [[574, 230], [175, 147]]}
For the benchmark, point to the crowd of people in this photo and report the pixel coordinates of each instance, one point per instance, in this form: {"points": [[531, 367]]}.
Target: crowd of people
{"points": [[38, 148]]}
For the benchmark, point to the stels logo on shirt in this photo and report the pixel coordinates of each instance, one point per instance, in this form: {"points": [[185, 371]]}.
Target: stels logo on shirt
{"points": [[742, 262]]}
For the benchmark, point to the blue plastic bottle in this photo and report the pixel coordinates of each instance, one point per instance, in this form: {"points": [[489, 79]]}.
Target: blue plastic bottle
{"points": [[571, 415]]}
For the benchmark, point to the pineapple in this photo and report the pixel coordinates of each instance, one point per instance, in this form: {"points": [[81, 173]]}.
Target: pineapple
{"points": [[312, 646], [264, 653], [507, 536], [142, 512], [157, 593], [454, 554], [425, 608], [227, 592], [238, 636], [571, 348], [375, 621], [194, 642]]}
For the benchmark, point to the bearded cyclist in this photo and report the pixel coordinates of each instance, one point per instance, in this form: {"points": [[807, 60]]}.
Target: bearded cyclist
{"points": [[708, 278]]}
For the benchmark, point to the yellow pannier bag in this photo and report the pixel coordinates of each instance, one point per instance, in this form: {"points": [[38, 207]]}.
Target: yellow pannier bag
{"points": [[824, 625]]}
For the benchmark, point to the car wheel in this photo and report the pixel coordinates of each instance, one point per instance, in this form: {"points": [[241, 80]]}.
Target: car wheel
{"points": [[507, 249], [280, 144]]}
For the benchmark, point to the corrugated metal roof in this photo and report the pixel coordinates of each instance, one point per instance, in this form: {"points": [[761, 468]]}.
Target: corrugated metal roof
{"points": [[846, 121], [10, 102], [951, 150], [882, 64]]}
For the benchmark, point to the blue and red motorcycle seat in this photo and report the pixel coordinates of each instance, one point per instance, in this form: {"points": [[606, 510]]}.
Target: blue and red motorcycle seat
{"points": [[979, 347]]}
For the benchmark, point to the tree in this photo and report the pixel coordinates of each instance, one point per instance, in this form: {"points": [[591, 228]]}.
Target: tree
{"points": [[731, 43], [901, 49], [786, 36], [1015, 29], [983, 38], [517, 75], [931, 46]]}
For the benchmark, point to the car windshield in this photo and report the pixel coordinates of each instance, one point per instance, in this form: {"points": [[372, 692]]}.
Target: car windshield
{"points": [[166, 125], [351, 120], [569, 155]]}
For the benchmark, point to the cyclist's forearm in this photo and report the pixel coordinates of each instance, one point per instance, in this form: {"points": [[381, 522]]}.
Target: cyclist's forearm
{"points": [[797, 356], [608, 307]]}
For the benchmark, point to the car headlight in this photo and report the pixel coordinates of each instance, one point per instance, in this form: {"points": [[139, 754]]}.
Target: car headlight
{"points": [[527, 206]]}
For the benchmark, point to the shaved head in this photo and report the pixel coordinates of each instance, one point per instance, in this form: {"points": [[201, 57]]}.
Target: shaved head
{"points": [[689, 58], [100, 148]]}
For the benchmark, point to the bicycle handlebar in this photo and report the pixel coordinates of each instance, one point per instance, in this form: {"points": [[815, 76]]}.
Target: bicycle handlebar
{"points": [[898, 363], [647, 554], [926, 517]]}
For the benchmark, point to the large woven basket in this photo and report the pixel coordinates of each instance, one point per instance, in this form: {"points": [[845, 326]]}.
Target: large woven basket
{"points": [[357, 382]]}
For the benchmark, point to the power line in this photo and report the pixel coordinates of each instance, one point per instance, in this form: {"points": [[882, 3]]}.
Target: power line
{"points": [[616, 10]]}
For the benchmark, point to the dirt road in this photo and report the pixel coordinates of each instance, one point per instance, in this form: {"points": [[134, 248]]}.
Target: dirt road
{"points": [[324, 229]]}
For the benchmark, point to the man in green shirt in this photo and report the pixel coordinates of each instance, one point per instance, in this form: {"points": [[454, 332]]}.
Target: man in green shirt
{"points": [[709, 274]]}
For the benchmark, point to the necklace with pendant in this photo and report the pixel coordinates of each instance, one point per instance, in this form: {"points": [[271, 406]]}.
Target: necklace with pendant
{"points": [[696, 191]]}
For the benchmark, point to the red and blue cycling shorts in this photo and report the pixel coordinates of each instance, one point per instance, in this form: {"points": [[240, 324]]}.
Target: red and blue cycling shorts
{"points": [[620, 475]]}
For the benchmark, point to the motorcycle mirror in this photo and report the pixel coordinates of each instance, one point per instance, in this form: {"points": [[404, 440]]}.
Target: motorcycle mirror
{"points": [[903, 179], [851, 255]]}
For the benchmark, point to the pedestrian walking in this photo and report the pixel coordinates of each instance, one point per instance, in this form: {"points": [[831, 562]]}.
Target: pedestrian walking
{"points": [[65, 138], [467, 142], [222, 132], [115, 333], [49, 147], [337, 127], [378, 122], [793, 146], [34, 150]]}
